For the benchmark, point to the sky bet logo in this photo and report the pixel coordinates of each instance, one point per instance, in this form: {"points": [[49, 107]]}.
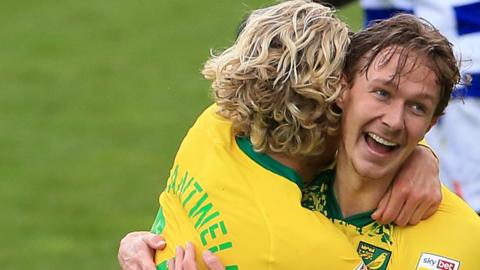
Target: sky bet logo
{"points": [[434, 262]]}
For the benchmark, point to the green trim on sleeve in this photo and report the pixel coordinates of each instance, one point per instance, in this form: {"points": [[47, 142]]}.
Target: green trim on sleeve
{"points": [[159, 223], [163, 265], [267, 162]]}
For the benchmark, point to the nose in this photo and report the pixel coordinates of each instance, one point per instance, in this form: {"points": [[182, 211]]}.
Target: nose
{"points": [[394, 117]]}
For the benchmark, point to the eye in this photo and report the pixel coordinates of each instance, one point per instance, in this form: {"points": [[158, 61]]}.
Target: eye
{"points": [[381, 93], [419, 108]]}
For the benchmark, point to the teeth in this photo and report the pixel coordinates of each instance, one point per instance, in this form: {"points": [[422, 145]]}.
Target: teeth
{"points": [[381, 140]]}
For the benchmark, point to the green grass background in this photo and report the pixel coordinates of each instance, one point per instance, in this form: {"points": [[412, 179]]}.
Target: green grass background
{"points": [[95, 97]]}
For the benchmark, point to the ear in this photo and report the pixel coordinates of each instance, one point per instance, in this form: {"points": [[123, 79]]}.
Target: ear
{"points": [[343, 94]]}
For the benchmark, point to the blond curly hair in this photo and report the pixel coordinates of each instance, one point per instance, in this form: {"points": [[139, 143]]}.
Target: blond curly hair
{"points": [[279, 81]]}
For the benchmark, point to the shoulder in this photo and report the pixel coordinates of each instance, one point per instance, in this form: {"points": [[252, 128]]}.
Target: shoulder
{"points": [[454, 217], [209, 116], [451, 235], [211, 127], [454, 208], [210, 136], [453, 232]]}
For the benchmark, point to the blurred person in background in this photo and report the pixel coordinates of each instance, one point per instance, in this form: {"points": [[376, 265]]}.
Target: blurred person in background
{"points": [[455, 137]]}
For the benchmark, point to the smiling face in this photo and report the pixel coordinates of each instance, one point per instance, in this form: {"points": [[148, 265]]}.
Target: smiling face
{"points": [[385, 116]]}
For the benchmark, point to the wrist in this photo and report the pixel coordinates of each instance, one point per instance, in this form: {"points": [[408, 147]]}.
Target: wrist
{"points": [[427, 149]]}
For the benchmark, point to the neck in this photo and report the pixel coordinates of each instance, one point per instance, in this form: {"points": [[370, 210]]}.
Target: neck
{"points": [[356, 193], [306, 167]]}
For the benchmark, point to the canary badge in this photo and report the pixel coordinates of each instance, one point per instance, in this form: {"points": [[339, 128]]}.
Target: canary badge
{"points": [[374, 257]]}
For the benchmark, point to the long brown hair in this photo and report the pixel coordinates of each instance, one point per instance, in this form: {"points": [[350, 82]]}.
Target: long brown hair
{"points": [[408, 36]]}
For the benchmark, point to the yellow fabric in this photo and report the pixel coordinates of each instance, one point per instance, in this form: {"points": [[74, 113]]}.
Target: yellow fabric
{"points": [[450, 239], [220, 199], [452, 232], [424, 143]]}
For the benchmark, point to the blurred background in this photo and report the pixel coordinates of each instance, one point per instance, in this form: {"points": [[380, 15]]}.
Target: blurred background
{"points": [[95, 97]]}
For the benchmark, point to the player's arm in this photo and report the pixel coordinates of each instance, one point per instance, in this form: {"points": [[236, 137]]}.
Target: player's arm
{"points": [[415, 193], [138, 248]]}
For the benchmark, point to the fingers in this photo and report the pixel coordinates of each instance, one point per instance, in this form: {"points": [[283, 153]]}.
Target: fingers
{"points": [[430, 211], [415, 191], [415, 194], [420, 204], [393, 206], [408, 211], [425, 205], [377, 215], [135, 253], [436, 198], [212, 261], [154, 241], [184, 259], [189, 258], [179, 258], [418, 214]]}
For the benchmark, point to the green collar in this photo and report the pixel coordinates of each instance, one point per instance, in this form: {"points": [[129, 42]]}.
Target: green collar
{"points": [[333, 208], [267, 162]]}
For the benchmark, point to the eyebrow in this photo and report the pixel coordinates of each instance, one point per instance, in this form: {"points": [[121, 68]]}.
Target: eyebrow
{"points": [[384, 81], [428, 97], [390, 83]]}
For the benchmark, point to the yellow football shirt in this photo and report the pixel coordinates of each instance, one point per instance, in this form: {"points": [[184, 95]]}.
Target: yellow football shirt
{"points": [[243, 206], [449, 240]]}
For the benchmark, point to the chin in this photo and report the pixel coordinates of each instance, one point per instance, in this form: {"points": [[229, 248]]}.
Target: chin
{"points": [[373, 171]]}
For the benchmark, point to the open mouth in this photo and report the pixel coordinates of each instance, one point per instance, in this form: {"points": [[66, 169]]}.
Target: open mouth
{"points": [[379, 144]]}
